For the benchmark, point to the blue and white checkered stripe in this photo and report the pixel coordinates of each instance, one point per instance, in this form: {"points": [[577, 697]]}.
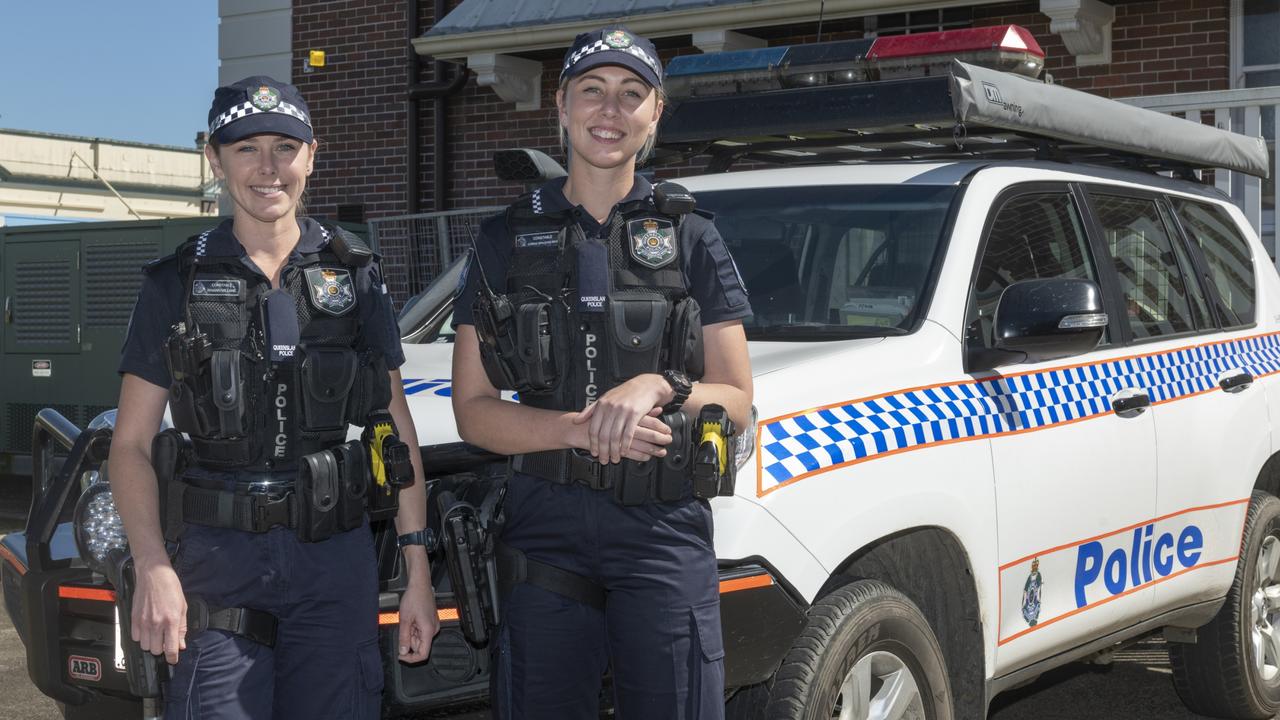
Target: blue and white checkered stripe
{"points": [[795, 446], [437, 386]]}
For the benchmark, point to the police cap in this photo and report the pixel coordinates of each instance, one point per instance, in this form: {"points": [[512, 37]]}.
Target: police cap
{"points": [[613, 46], [257, 105]]}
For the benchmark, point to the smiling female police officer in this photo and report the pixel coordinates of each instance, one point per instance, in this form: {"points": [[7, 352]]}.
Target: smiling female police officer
{"points": [[266, 336], [586, 298]]}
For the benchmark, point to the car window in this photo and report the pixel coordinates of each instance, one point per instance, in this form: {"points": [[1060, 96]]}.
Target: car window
{"points": [[1033, 236], [426, 316], [827, 262], [1227, 255], [1151, 282]]}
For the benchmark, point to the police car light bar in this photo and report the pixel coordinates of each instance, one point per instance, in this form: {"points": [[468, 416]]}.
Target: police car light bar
{"points": [[1004, 47]]}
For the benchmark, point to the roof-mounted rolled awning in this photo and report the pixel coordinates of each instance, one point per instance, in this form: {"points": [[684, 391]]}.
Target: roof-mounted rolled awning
{"points": [[494, 38]]}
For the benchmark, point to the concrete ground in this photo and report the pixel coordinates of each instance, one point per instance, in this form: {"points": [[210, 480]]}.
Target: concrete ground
{"points": [[1135, 687]]}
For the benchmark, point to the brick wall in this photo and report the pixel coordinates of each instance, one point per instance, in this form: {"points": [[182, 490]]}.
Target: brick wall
{"points": [[1158, 47]]}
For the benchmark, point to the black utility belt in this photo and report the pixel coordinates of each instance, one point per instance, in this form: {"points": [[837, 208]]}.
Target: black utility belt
{"points": [[329, 496]]}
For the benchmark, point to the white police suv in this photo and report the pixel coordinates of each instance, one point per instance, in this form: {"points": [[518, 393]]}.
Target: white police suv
{"points": [[1013, 380]]}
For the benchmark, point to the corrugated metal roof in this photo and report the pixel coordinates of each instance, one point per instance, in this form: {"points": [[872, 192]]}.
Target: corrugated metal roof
{"points": [[491, 15]]}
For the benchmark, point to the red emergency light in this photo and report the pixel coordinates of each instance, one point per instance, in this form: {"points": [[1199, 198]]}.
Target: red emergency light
{"points": [[1003, 47]]}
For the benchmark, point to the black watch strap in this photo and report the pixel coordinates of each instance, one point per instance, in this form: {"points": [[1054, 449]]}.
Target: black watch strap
{"points": [[424, 538], [679, 382]]}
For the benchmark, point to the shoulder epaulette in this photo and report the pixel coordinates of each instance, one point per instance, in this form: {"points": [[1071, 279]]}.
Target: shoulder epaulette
{"points": [[155, 264]]}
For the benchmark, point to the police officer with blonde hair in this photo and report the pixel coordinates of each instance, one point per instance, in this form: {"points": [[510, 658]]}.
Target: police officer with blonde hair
{"points": [[603, 300]]}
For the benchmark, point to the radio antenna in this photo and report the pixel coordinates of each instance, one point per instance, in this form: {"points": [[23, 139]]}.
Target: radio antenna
{"points": [[822, 7]]}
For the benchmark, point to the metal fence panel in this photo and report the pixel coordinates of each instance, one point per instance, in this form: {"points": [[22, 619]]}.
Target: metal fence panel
{"points": [[417, 248]]}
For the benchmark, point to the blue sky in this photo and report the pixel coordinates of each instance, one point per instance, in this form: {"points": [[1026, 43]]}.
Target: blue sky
{"points": [[141, 70]]}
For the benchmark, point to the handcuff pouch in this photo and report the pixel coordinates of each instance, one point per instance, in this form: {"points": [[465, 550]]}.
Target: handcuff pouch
{"points": [[674, 468], [319, 491]]}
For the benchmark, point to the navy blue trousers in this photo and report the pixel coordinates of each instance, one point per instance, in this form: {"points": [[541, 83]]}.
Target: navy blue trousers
{"points": [[325, 663], [659, 631]]}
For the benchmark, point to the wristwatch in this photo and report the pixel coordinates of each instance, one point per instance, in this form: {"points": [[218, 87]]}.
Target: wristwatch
{"points": [[680, 383], [425, 538]]}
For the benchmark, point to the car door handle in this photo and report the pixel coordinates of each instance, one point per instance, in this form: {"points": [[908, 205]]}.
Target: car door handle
{"points": [[1130, 405], [1235, 383]]}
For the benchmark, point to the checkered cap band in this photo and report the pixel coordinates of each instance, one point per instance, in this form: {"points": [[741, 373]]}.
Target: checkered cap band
{"points": [[601, 46], [796, 446], [247, 108]]}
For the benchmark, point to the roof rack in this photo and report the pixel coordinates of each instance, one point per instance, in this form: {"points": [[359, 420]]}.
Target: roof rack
{"points": [[965, 112]]}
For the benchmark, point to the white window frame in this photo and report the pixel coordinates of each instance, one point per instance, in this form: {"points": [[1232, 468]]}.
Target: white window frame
{"points": [[1236, 42]]}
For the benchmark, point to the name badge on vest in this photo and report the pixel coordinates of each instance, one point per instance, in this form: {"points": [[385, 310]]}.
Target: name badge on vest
{"points": [[653, 241], [593, 277], [217, 287], [281, 323], [538, 240], [331, 290]]}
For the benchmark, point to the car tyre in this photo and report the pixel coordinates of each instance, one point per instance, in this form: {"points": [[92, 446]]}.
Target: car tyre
{"points": [[866, 653], [1233, 668]]}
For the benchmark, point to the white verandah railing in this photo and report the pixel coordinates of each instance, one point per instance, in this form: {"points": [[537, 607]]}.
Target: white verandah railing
{"points": [[1249, 111]]}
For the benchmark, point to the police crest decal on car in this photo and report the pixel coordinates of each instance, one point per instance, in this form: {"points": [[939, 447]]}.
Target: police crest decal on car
{"points": [[332, 291], [653, 241], [1031, 594]]}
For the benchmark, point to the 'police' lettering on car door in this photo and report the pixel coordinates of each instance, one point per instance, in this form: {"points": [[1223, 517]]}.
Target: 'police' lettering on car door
{"points": [[1147, 557]]}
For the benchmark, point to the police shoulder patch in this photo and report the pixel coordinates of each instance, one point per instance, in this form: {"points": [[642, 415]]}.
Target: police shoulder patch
{"points": [[653, 241], [332, 290]]}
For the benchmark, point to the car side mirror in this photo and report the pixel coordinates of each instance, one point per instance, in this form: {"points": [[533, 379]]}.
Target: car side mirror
{"points": [[1049, 318]]}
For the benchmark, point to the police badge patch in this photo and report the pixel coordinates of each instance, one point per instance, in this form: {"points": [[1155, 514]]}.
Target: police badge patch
{"points": [[653, 241], [266, 98], [332, 291], [618, 39], [1031, 594]]}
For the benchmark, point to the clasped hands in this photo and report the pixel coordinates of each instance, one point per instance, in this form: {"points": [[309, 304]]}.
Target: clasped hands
{"points": [[623, 423]]}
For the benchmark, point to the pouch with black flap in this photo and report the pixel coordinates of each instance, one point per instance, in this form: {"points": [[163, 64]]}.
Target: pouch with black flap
{"points": [[328, 374], [635, 326]]}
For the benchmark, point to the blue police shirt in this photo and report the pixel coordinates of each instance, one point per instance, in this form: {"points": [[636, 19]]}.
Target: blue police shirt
{"points": [[159, 306], [709, 272]]}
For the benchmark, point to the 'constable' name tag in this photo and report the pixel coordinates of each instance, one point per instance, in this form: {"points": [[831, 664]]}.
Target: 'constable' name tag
{"points": [[538, 240], [219, 287], [593, 277]]}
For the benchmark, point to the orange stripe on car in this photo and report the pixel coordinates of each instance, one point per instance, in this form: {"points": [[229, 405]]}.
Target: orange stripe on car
{"points": [[745, 583], [71, 592], [17, 564]]}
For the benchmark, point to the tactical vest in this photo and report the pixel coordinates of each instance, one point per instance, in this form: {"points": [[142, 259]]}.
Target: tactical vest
{"points": [[242, 409], [579, 315]]}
